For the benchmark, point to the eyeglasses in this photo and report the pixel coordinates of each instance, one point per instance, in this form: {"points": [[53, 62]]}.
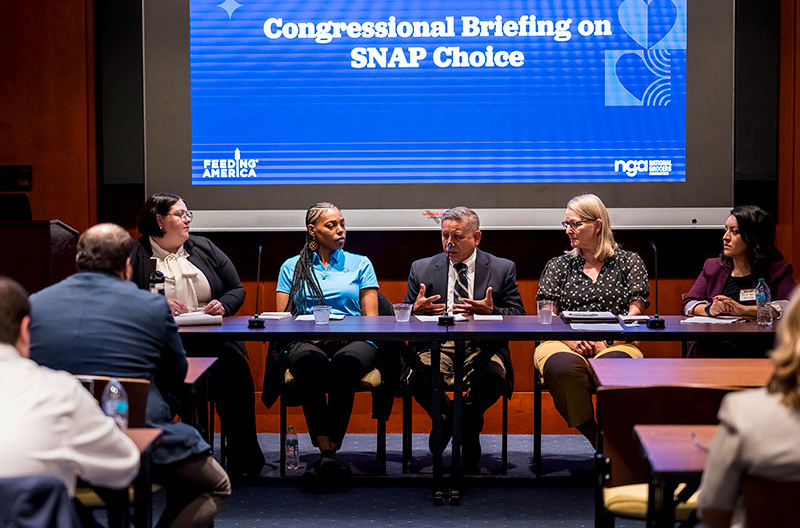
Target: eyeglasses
{"points": [[575, 224], [183, 215]]}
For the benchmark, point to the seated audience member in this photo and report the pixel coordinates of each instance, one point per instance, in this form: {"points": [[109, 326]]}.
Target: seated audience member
{"points": [[97, 322], [51, 424], [595, 275], [726, 286], [758, 432], [464, 280], [324, 273], [200, 276]]}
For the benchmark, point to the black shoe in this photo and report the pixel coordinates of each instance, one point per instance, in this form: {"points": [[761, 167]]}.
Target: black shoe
{"points": [[313, 469], [447, 434], [471, 455], [331, 467]]}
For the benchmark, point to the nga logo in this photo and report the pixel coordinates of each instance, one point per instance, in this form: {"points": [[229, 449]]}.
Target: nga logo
{"points": [[632, 168]]}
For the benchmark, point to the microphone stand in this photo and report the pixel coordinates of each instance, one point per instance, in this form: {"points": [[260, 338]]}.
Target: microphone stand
{"points": [[656, 322], [444, 319], [256, 321]]}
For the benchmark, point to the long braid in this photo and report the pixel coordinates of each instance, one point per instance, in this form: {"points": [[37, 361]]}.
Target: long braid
{"points": [[306, 291]]}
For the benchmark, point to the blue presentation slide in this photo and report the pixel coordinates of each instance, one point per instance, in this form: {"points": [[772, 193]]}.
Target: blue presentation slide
{"points": [[399, 92]]}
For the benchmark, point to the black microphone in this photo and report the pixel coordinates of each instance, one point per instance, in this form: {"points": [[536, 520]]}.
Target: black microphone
{"points": [[656, 322], [256, 321]]}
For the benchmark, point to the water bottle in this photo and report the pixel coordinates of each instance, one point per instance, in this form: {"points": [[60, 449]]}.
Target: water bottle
{"points": [[292, 450], [157, 280], [763, 304], [115, 403]]}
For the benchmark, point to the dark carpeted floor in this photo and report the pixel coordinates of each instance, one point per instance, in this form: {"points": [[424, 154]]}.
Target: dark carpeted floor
{"points": [[563, 497]]}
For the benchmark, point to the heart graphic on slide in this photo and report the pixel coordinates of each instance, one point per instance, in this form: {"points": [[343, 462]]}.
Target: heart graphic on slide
{"points": [[647, 22], [634, 75]]}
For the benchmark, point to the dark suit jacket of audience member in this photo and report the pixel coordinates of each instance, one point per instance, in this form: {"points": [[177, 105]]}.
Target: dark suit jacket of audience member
{"points": [[211, 261], [95, 323], [712, 280], [499, 273]]}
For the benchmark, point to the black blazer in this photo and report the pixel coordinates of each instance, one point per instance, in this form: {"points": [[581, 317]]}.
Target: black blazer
{"points": [[499, 273], [215, 265]]}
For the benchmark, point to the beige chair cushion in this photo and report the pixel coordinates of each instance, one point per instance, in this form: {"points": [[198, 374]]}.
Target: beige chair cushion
{"points": [[90, 499], [631, 501], [370, 381]]}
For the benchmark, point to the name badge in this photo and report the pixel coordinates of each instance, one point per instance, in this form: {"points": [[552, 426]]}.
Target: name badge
{"points": [[747, 295]]}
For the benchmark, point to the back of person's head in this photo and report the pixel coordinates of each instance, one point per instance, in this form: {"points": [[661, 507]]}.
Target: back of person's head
{"points": [[156, 204], [461, 212], [785, 379], [591, 207], [757, 229], [104, 247], [13, 309]]}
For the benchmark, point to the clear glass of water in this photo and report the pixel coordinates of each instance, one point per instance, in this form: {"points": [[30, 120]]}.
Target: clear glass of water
{"points": [[402, 312], [544, 310], [322, 313]]}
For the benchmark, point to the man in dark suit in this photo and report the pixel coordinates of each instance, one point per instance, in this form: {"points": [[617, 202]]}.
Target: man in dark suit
{"points": [[97, 322], [464, 280]]}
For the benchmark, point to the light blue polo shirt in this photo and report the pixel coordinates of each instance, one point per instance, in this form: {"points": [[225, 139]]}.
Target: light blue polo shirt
{"points": [[342, 282]]}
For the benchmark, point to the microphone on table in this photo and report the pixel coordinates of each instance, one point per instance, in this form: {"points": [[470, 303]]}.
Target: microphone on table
{"points": [[448, 320], [256, 321], [656, 322]]}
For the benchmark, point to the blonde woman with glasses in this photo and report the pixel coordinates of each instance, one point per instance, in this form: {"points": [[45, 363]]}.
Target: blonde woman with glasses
{"points": [[594, 275]]}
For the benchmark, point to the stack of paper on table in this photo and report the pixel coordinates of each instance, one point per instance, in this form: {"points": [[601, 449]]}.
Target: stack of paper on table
{"points": [[722, 319], [275, 315], [196, 319]]}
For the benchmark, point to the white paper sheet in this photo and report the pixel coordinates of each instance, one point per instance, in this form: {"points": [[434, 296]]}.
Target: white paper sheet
{"points": [[724, 319], [435, 318], [489, 317], [310, 317], [275, 315], [596, 326]]}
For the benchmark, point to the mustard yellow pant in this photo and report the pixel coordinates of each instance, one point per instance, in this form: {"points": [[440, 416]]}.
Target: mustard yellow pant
{"points": [[566, 374]]}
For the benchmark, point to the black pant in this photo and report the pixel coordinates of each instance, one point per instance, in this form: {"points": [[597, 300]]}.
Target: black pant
{"points": [[485, 382], [335, 369], [232, 389]]}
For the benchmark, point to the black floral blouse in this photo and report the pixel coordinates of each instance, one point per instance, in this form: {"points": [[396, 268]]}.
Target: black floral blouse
{"points": [[622, 280]]}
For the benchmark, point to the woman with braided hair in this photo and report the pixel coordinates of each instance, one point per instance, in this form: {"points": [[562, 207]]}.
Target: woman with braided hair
{"points": [[323, 273]]}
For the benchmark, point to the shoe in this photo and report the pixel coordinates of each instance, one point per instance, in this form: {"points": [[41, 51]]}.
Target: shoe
{"points": [[331, 467], [447, 434], [313, 469]]}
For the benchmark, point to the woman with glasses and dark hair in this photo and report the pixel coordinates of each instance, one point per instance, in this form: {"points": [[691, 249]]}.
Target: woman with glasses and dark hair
{"points": [[324, 274], [595, 275], [200, 277], [726, 286]]}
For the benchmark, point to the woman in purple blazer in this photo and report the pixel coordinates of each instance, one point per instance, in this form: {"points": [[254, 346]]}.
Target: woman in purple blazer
{"points": [[726, 286]]}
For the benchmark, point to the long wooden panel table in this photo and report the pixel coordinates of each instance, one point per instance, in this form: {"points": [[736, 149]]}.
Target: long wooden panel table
{"points": [[145, 439], [674, 454], [511, 328], [727, 372]]}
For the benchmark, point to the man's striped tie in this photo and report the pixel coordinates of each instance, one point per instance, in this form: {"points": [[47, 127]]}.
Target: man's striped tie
{"points": [[460, 291]]}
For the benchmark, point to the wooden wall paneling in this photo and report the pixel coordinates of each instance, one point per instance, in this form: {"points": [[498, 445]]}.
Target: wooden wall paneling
{"points": [[48, 105], [789, 133]]}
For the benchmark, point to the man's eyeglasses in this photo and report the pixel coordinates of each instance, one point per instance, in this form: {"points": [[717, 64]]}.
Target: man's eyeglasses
{"points": [[575, 224], [183, 215]]}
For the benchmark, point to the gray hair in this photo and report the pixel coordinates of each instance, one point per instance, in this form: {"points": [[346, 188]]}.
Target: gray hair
{"points": [[461, 212]]}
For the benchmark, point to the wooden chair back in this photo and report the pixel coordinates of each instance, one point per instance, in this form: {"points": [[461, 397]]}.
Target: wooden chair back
{"points": [[620, 408], [768, 503], [137, 389]]}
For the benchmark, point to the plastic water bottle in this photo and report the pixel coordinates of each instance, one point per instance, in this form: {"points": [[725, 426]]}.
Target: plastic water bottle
{"points": [[763, 304], [115, 403], [292, 449]]}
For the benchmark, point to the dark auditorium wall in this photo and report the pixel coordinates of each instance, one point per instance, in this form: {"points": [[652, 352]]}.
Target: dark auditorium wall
{"points": [[48, 115]]}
